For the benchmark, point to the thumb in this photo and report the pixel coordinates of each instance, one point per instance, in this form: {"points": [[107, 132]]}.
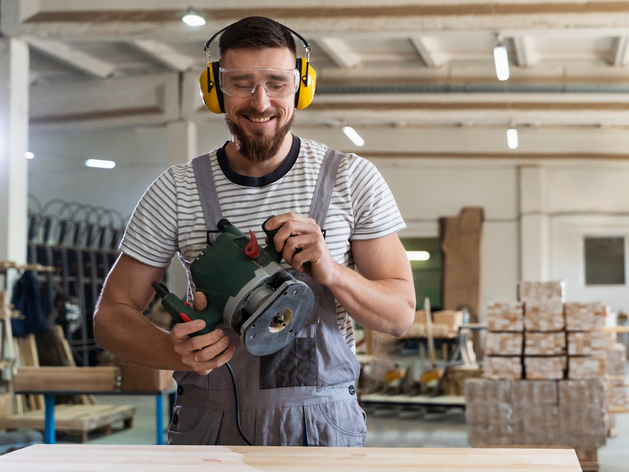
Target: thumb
{"points": [[200, 301]]}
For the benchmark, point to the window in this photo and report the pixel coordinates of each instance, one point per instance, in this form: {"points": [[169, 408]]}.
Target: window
{"points": [[426, 273], [604, 260]]}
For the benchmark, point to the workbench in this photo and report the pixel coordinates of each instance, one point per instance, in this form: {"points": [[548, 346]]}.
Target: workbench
{"points": [[114, 458]]}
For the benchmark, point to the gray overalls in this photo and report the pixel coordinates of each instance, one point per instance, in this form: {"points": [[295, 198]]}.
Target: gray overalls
{"points": [[301, 395]]}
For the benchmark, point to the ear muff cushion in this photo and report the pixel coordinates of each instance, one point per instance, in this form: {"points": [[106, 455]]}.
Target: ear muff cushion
{"points": [[210, 89], [307, 84]]}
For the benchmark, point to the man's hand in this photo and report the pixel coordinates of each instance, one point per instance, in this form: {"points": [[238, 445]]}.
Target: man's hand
{"points": [[301, 241], [205, 352]]}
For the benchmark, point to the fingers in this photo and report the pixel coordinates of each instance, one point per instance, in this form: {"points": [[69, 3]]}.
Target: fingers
{"points": [[201, 353], [210, 357], [184, 330], [289, 226]]}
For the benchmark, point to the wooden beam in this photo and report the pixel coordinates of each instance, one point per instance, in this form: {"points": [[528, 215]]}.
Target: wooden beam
{"points": [[429, 50], [163, 54], [525, 56], [621, 51], [72, 57], [339, 53], [145, 99]]}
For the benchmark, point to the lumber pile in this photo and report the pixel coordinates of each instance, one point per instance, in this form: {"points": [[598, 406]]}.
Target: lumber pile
{"points": [[540, 337], [537, 413], [547, 378]]}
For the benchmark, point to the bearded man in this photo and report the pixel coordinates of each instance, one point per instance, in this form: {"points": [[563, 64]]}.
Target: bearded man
{"points": [[304, 394]]}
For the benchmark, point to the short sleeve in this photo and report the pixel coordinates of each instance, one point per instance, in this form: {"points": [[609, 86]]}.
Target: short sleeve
{"points": [[376, 213], [151, 235]]}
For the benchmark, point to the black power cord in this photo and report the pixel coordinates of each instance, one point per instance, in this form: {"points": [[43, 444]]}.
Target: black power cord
{"points": [[231, 372]]}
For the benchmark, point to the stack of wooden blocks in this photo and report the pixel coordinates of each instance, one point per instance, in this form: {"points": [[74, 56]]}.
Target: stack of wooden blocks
{"points": [[616, 385], [540, 413], [544, 369]]}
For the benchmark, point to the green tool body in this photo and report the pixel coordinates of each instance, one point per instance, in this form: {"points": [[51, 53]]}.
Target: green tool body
{"points": [[247, 289]]}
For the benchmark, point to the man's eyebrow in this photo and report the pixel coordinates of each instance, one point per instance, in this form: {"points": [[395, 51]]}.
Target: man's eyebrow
{"points": [[276, 76], [242, 75]]}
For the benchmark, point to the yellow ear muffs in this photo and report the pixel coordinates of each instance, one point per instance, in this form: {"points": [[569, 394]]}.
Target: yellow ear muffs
{"points": [[210, 89], [307, 84]]}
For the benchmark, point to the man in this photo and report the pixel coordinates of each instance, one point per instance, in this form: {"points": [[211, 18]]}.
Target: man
{"points": [[303, 395]]}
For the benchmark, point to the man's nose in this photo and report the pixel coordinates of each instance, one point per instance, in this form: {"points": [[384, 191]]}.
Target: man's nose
{"points": [[259, 97]]}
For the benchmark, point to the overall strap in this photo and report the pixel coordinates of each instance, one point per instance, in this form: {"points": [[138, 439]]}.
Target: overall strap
{"points": [[324, 187], [207, 193]]}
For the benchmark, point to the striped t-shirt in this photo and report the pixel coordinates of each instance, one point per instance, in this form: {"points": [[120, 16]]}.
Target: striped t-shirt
{"points": [[169, 219]]}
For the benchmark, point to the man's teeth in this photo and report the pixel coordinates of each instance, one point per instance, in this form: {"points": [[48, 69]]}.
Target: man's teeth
{"points": [[260, 120]]}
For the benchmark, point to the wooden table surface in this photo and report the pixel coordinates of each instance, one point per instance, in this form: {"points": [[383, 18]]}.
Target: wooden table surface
{"points": [[114, 458]]}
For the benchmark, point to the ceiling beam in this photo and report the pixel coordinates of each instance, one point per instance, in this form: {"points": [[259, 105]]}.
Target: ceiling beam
{"points": [[163, 19], [429, 50], [621, 52], [164, 54], [339, 53], [525, 55], [73, 57]]}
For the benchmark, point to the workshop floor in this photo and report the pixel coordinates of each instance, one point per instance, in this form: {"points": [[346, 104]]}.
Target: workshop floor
{"points": [[387, 428]]}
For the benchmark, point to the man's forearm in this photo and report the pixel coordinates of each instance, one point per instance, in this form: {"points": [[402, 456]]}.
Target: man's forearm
{"points": [[123, 331], [387, 305]]}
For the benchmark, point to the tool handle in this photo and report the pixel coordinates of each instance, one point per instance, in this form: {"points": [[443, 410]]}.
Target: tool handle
{"points": [[270, 247], [181, 312]]}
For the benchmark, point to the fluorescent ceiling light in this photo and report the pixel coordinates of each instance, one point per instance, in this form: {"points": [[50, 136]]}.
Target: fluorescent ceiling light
{"points": [[353, 135], [512, 138], [418, 255], [193, 17], [501, 59], [29, 155], [100, 164]]}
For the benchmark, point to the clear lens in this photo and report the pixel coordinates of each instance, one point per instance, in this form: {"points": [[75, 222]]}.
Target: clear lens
{"points": [[277, 83]]}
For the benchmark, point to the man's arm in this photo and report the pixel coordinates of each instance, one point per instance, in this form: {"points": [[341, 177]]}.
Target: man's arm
{"points": [[120, 327], [380, 297]]}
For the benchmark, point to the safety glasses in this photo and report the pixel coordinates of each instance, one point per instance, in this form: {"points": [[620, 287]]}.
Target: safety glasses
{"points": [[241, 83]]}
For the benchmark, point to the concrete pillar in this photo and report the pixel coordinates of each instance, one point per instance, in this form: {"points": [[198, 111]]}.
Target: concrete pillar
{"points": [[14, 74], [181, 142], [534, 224]]}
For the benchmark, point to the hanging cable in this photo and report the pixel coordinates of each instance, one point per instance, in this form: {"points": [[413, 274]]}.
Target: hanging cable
{"points": [[231, 372]]}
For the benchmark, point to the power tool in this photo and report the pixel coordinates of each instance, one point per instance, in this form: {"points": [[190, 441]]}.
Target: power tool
{"points": [[247, 289]]}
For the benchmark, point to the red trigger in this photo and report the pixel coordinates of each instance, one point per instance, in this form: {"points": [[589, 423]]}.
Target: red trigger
{"points": [[252, 249]]}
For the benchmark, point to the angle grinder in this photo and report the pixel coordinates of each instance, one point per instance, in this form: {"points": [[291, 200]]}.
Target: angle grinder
{"points": [[247, 289]]}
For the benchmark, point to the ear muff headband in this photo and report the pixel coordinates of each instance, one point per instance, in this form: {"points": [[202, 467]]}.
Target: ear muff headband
{"points": [[212, 94]]}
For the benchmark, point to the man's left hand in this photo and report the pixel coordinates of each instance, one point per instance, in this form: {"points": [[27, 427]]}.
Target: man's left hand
{"points": [[303, 246]]}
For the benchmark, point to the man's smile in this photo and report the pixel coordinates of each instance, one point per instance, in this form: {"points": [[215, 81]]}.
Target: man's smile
{"points": [[261, 119]]}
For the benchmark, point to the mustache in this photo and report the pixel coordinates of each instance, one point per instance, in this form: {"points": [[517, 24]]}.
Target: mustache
{"points": [[256, 114]]}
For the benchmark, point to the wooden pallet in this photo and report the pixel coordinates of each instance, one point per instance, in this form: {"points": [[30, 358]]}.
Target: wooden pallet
{"points": [[76, 420], [588, 458]]}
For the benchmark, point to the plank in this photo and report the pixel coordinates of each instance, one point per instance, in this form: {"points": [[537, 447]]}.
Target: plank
{"points": [[67, 354], [101, 458], [440, 400], [63, 379]]}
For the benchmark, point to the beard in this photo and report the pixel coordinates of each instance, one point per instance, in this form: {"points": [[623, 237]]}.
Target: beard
{"points": [[257, 148]]}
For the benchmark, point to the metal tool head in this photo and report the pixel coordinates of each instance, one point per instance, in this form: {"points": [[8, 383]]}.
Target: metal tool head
{"points": [[278, 318]]}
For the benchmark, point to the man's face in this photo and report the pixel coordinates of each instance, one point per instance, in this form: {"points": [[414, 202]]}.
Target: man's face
{"points": [[257, 122]]}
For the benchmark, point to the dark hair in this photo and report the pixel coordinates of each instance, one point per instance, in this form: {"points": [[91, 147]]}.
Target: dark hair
{"points": [[256, 32]]}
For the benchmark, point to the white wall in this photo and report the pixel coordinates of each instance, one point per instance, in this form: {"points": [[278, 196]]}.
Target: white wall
{"points": [[586, 200], [425, 189]]}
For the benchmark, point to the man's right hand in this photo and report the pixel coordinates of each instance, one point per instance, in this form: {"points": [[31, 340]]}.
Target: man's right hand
{"points": [[205, 352]]}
